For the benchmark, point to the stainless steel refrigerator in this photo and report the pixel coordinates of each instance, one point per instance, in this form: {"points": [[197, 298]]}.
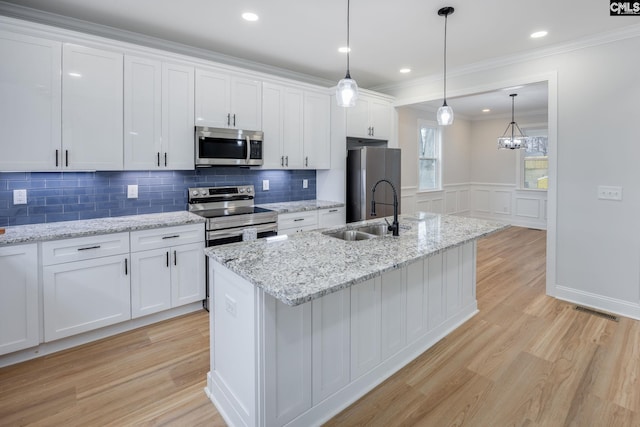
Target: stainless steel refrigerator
{"points": [[365, 167]]}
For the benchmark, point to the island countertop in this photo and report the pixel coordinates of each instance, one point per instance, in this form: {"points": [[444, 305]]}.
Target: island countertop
{"points": [[301, 267]]}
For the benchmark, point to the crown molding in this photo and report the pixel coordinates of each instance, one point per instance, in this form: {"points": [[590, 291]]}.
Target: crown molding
{"points": [[67, 23], [628, 32]]}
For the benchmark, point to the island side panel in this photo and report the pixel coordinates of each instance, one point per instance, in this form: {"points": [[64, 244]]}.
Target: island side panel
{"points": [[232, 384]]}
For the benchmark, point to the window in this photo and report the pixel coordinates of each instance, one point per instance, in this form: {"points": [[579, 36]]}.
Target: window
{"points": [[429, 161], [534, 161]]}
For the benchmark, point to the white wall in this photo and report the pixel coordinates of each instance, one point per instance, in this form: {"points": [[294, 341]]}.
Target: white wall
{"points": [[593, 245]]}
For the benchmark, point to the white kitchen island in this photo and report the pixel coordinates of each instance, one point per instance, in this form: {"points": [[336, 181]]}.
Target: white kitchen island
{"points": [[303, 327]]}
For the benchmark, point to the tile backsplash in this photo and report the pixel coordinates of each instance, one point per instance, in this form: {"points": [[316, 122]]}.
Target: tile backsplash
{"points": [[66, 196]]}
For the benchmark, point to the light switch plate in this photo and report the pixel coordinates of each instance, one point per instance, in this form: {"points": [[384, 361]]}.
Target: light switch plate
{"points": [[19, 197], [607, 192], [132, 191], [265, 185], [305, 183]]}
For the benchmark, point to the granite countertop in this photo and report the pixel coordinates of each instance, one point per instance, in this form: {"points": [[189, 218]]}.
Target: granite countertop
{"points": [[90, 227], [308, 265], [301, 206]]}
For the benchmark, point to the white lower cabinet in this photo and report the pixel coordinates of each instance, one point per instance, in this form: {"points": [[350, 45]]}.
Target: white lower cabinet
{"points": [[81, 296], [19, 315], [365, 326], [291, 223], [170, 272], [332, 217]]}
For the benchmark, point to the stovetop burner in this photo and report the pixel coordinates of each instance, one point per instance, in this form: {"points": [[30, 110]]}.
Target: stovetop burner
{"points": [[231, 204]]}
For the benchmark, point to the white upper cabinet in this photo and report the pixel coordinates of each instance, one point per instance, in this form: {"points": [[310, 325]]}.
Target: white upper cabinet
{"points": [[158, 115], [317, 130], [226, 101], [92, 109], [370, 118], [296, 125], [30, 91]]}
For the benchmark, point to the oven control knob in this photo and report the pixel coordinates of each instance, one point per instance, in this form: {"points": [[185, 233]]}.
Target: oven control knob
{"points": [[242, 189], [203, 192], [194, 193], [248, 189]]}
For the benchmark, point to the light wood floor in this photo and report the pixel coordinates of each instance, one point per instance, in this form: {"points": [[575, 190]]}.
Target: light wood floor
{"points": [[524, 360]]}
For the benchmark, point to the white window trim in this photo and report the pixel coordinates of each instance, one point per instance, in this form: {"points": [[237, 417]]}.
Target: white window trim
{"points": [[431, 124]]}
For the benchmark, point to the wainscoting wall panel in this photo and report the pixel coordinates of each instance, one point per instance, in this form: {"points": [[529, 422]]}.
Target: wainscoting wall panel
{"points": [[499, 202]]}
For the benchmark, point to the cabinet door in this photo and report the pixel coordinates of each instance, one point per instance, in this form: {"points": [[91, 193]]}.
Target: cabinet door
{"points": [[381, 119], [293, 131], [213, 99], [150, 282], [142, 113], [393, 313], [92, 108], [365, 327], [30, 90], [272, 126], [177, 117], [85, 295], [358, 119], [19, 318], [187, 274], [246, 103], [317, 127]]}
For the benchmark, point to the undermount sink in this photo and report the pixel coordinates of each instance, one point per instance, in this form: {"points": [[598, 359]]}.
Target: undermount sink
{"points": [[350, 235], [375, 229]]}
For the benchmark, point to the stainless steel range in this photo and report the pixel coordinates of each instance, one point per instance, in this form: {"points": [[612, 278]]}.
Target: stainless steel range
{"points": [[229, 212], [230, 215]]}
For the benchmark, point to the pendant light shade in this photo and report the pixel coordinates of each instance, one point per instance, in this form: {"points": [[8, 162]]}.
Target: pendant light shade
{"points": [[516, 138], [347, 89], [445, 113]]}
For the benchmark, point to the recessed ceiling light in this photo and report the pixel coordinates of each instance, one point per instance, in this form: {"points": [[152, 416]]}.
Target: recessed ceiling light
{"points": [[486, 110], [538, 34], [250, 16], [405, 70], [344, 49]]}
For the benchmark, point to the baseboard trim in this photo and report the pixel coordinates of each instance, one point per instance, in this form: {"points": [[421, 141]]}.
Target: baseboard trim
{"points": [[598, 302]]}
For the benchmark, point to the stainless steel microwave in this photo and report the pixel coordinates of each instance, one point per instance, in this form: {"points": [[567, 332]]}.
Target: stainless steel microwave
{"points": [[228, 147]]}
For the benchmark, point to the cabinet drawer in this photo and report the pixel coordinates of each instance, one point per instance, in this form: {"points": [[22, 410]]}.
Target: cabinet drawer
{"points": [[297, 220], [81, 248], [331, 217], [169, 236]]}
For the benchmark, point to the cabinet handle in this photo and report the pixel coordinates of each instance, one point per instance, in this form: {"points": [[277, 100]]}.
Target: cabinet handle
{"points": [[158, 159], [56, 158], [228, 119], [287, 159], [126, 267], [333, 210], [165, 159], [298, 219], [66, 158], [170, 237], [373, 130], [167, 258], [175, 258], [234, 120], [281, 161], [89, 247], [306, 162]]}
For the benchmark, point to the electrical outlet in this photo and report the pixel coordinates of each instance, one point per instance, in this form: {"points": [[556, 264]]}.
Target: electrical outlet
{"points": [[19, 197], [230, 305], [265, 185], [305, 183], [606, 192], [132, 191]]}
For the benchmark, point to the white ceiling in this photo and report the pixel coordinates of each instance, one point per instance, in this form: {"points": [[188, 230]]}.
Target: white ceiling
{"points": [[304, 35]]}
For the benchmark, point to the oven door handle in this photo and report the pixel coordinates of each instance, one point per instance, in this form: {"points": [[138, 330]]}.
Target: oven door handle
{"points": [[224, 234]]}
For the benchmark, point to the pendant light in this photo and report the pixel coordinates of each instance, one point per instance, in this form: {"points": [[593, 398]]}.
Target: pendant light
{"points": [[347, 90], [515, 140], [445, 113]]}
